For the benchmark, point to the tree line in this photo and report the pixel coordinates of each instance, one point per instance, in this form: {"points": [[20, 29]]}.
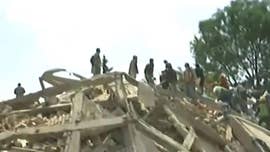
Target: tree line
{"points": [[236, 41]]}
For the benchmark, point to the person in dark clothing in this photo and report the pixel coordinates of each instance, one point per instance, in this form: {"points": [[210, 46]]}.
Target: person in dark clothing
{"points": [[19, 91], [96, 62], [163, 80], [166, 64], [149, 72], [171, 77], [133, 67], [105, 68], [200, 74]]}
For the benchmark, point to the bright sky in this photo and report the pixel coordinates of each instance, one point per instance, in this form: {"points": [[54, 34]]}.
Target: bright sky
{"points": [[37, 35]]}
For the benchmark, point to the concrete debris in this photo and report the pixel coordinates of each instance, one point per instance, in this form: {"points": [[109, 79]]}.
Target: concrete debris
{"points": [[115, 113]]}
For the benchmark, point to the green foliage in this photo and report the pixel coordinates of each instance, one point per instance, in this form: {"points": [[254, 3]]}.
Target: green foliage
{"points": [[235, 41]]}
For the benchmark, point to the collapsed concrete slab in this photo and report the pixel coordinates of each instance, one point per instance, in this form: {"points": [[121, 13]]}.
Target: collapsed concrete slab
{"points": [[114, 112]]}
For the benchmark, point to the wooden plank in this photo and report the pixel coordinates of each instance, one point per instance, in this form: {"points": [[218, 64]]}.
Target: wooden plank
{"points": [[128, 131], [229, 135], [189, 140], [91, 127], [159, 137], [267, 132], [20, 149], [75, 137], [188, 116], [182, 130], [242, 135], [34, 111]]}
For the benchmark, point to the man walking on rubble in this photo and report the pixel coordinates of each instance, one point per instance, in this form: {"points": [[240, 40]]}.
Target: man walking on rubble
{"points": [[133, 67], [189, 81], [200, 74], [149, 72], [19, 91]]}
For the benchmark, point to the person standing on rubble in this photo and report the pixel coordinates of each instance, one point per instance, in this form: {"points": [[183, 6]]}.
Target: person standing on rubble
{"points": [[163, 77], [189, 81], [200, 74], [96, 63], [171, 77], [149, 72], [19, 91], [163, 80], [133, 67], [105, 68], [166, 64]]}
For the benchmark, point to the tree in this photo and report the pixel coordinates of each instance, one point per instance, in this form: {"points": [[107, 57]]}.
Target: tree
{"points": [[235, 40]]}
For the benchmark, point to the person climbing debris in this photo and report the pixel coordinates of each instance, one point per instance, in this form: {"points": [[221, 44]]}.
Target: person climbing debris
{"points": [[105, 68], [19, 91], [149, 72], [133, 67], [96, 63], [264, 111], [200, 74]]}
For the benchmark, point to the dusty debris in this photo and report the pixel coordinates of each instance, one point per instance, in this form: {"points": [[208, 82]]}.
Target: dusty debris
{"points": [[114, 112]]}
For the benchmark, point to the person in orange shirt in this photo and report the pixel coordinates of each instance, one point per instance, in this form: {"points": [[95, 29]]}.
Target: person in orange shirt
{"points": [[223, 81]]}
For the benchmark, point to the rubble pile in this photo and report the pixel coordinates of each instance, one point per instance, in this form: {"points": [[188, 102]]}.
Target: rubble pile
{"points": [[115, 113]]}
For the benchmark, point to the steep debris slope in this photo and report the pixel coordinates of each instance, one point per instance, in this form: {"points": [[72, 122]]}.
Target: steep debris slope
{"points": [[115, 113]]}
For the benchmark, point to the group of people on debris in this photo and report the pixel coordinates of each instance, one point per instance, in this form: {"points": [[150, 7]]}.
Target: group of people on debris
{"points": [[235, 97], [240, 99], [168, 77]]}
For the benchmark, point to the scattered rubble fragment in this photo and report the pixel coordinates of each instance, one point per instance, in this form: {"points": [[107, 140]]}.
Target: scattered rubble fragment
{"points": [[115, 113]]}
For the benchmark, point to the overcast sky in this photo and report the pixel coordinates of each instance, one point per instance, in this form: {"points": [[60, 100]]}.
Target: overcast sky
{"points": [[37, 35]]}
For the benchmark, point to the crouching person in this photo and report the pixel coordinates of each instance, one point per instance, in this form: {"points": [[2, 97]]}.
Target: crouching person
{"points": [[263, 112]]}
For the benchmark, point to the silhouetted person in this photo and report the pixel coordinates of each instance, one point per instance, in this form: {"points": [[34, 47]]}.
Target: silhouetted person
{"points": [[189, 80], [163, 80], [166, 64], [149, 72], [133, 67], [105, 68], [96, 63], [171, 74], [200, 74], [19, 91], [171, 77]]}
